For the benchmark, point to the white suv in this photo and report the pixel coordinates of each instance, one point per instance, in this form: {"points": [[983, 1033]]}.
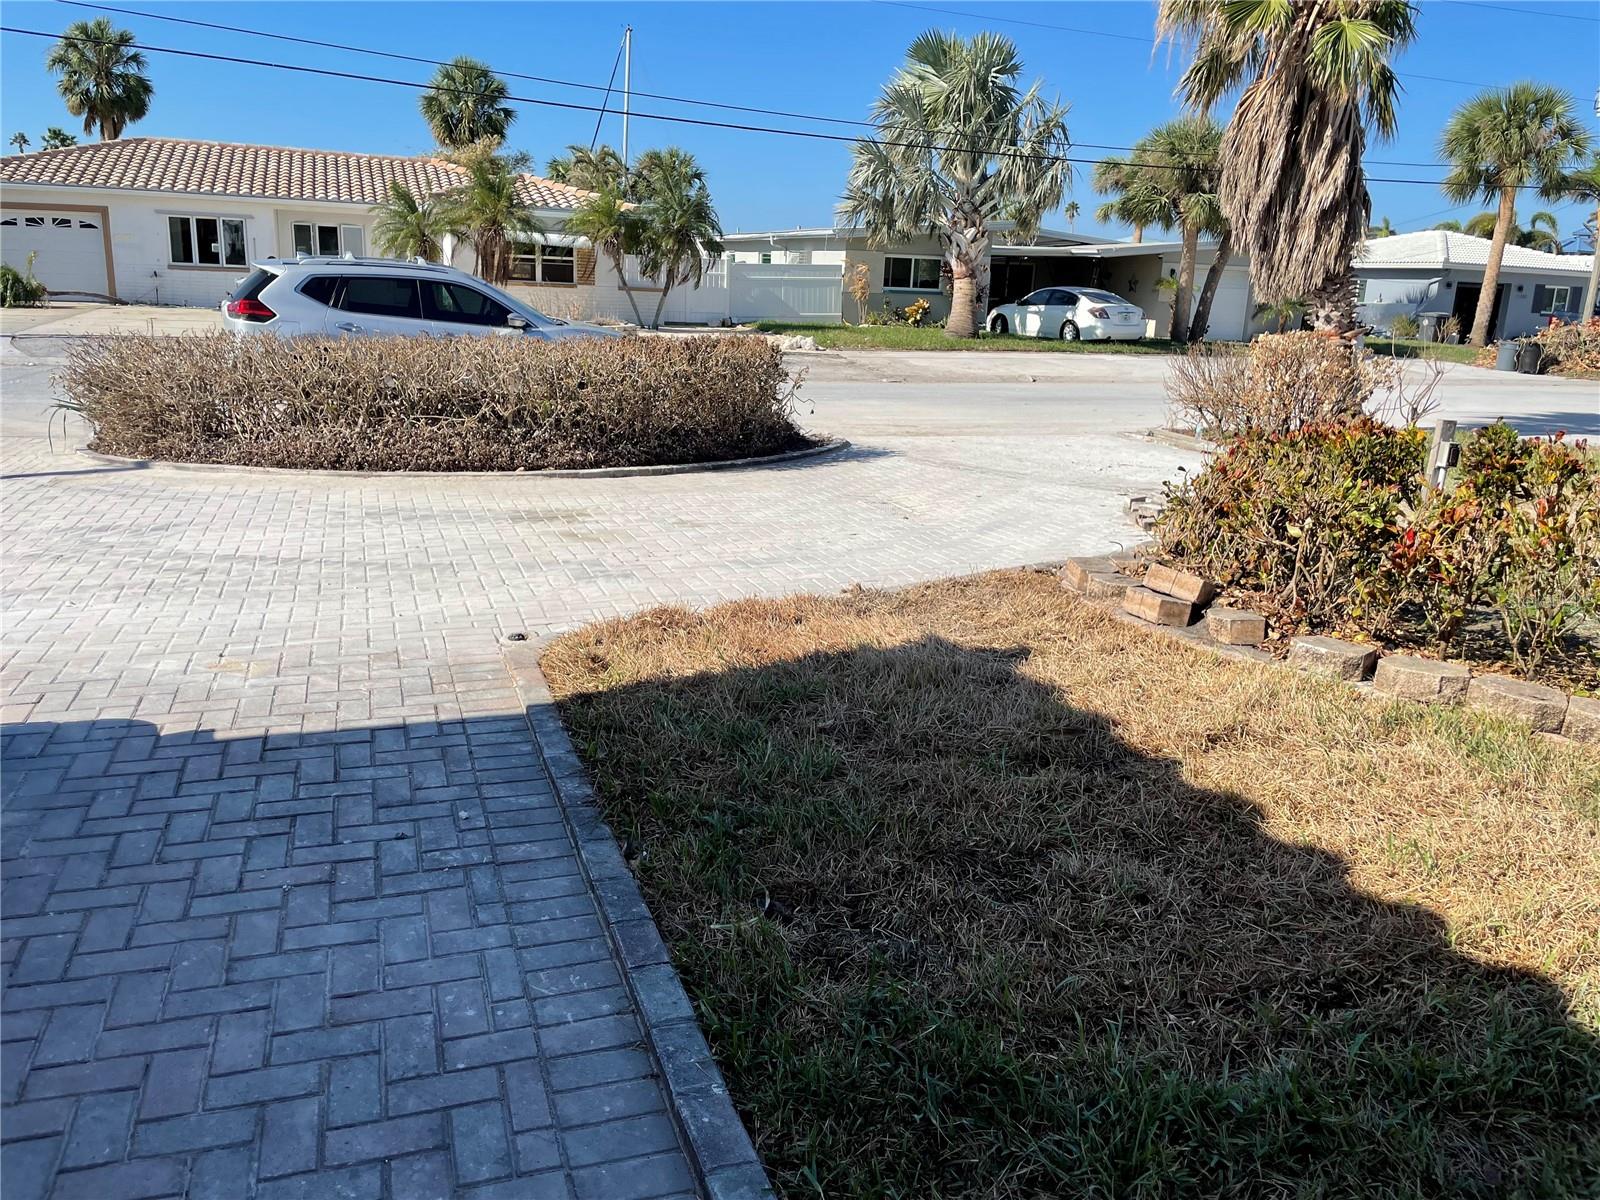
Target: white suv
{"points": [[363, 297]]}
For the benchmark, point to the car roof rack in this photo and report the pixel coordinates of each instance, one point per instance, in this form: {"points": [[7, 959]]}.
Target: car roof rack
{"points": [[350, 260]]}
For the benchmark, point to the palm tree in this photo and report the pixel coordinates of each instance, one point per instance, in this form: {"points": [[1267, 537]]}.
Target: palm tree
{"points": [[465, 104], [1281, 311], [1316, 80], [1382, 229], [56, 138], [1584, 185], [1114, 176], [1071, 212], [490, 214], [615, 229], [680, 229], [1451, 226], [593, 170], [410, 228], [20, 140], [1481, 225], [958, 146], [1542, 233], [1171, 182], [1500, 141], [102, 77]]}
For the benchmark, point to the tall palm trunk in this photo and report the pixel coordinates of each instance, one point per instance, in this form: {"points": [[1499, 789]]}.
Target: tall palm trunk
{"points": [[1138, 233], [1208, 290], [1333, 305], [1594, 271], [667, 285], [622, 282], [1503, 221], [968, 238], [1183, 303]]}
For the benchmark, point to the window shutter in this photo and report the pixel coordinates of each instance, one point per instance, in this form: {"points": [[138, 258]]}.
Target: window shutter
{"points": [[584, 258], [1541, 298]]}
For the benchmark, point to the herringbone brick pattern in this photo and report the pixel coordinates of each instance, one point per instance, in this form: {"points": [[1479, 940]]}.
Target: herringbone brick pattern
{"points": [[309, 925]]}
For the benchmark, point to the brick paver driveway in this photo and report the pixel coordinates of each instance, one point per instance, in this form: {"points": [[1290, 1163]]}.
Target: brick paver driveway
{"points": [[290, 909]]}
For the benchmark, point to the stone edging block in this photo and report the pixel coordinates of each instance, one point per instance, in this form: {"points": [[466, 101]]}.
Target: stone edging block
{"points": [[713, 1136], [1424, 679], [1350, 661], [1541, 708], [1156, 608]]}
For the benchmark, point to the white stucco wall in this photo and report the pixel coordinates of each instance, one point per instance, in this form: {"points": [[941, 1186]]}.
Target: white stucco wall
{"points": [[1390, 292]]}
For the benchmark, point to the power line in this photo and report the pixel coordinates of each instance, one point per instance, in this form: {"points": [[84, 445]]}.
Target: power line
{"points": [[1521, 12], [1126, 37], [593, 87], [814, 135]]}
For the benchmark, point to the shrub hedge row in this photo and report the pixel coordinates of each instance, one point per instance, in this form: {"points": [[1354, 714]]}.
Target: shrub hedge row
{"points": [[433, 404]]}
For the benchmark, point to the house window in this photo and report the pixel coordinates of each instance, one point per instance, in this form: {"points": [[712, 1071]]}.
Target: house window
{"points": [[539, 263], [1548, 300], [911, 274], [766, 258], [205, 242], [328, 240]]}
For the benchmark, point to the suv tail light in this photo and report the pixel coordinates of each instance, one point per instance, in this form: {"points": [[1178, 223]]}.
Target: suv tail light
{"points": [[1099, 314], [250, 310]]}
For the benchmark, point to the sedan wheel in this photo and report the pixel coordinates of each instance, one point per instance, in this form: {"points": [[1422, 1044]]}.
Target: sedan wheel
{"points": [[1069, 331], [997, 324]]}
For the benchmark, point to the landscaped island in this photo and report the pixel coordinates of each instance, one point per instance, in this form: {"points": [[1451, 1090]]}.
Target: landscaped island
{"points": [[433, 404], [981, 892]]}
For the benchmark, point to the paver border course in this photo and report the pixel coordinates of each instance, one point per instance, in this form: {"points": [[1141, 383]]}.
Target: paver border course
{"points": [[718, 1146], [830, 446]]}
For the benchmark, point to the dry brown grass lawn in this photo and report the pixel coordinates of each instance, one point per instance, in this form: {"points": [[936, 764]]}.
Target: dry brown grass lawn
{"points": [[982, 892]]}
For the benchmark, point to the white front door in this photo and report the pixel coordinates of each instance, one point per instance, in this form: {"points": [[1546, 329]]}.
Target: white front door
{"points": [[68, 248]]}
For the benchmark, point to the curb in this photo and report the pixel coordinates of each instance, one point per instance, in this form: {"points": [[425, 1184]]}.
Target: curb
{"points": [[714, 1138], [723, 464], [1182, 441]]}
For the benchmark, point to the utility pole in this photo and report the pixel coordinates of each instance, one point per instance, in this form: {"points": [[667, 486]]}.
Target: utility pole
{"points": [[627, 87]]}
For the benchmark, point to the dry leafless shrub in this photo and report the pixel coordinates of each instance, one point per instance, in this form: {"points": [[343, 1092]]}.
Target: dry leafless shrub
{"points": [[1285, 381], [424, 404]]}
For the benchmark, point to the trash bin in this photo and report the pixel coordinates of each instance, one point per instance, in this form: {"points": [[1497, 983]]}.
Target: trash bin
{"points": [[1530, 356], [1505, 356]]}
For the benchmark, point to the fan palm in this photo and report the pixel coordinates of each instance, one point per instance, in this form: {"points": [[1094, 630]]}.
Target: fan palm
{"points": [[21, 141], [490, 214], [1113, 176], [56, 138], [1450, 226], [957, 146], [465, 104], [102, 77], [407, 227], [1525, 135], [615, 230], [1381, 229], [1316, 79], [679, 225], [1171, 182]]}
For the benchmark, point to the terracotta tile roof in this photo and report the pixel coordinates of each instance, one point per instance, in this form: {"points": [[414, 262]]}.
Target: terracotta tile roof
{"points": [[152, 164]]}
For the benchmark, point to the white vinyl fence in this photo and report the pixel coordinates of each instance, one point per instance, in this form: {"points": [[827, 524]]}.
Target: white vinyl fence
{"points": [[742, 292]]}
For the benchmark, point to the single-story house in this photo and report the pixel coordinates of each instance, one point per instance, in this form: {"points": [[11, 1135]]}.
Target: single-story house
{"points": [[907, 271], [1437, 273], [171, 221]]}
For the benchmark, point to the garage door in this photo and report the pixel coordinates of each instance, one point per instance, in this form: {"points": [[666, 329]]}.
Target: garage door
{"points": [[1230, 307], [69, 248]]}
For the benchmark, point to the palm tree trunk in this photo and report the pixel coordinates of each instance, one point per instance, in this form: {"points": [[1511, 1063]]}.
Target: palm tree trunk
{"points": [[666, 286], [1184, 302], [622, 281], [1333, 305], [1594, 272], [1138, 233], [1491, 271], [1208, 291]]}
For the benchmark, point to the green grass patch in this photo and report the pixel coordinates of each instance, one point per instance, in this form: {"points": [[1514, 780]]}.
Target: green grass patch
{"points": [[908, 337], [1413, 348], [979, 893]]}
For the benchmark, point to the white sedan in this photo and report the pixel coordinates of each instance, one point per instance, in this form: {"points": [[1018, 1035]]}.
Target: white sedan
{"points": [[1070, 314]]}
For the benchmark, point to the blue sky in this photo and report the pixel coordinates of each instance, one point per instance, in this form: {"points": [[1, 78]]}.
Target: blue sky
{"points": [[826, 59]]}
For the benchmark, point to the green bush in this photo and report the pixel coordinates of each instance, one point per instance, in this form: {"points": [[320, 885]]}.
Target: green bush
{"points": [[1332, 525], [433, 404], [1308, 517], [19, 289], [1404, 326]]}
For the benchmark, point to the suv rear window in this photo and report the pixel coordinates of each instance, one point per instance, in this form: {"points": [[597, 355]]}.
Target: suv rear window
{"points": [[320, 288], [251, 285], [380, 296]]}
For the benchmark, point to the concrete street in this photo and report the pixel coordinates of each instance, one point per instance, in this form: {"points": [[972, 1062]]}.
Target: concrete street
{"points": [[290, 907]]}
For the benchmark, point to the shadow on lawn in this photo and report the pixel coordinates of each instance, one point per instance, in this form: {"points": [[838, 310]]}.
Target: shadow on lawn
{"points": [[951, 936]]}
